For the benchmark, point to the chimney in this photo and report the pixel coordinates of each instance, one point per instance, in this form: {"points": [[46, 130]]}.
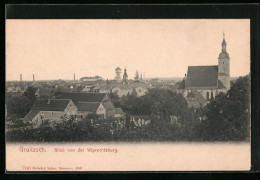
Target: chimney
{"points": [[21, 77], [33, 77]]}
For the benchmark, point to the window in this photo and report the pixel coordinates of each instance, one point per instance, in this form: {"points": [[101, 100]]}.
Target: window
{"points": [[140, 90], [223, 62], [52, 113], [207, 95]]}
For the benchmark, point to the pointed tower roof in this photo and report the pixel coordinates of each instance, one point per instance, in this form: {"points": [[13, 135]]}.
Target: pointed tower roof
{"points": [[125, 76], [224, 41], [224, 54]]}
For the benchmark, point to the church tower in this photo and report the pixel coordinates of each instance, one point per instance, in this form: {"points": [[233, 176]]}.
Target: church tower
{"points": [[125, 76], [224, 65]]}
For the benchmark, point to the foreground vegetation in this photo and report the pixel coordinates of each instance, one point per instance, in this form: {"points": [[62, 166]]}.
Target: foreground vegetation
{"points": [[225, 118]]}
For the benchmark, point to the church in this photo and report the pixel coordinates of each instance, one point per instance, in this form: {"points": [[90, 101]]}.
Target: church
{"points": [[208, 81]]}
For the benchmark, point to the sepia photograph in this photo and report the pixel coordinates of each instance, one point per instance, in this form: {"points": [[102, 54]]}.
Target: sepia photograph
{"points": [[93, 94]]}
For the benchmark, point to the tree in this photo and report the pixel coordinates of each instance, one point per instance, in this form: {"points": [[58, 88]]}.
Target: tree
{"points": [[18, 105], [114, 98], [228, 115], [30, 93]]}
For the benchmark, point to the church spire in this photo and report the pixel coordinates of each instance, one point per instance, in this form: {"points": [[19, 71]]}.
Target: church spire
{"points": [[224, 44], [125, 76], [223, 53]]}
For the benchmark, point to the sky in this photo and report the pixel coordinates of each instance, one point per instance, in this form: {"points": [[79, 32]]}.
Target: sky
{"points": [[56, 49]]}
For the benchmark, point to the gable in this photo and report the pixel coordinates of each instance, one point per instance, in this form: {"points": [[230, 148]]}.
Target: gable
{"points": [[202, 76], [108, 105], [106, 98], [31, 115], [71, 105]]}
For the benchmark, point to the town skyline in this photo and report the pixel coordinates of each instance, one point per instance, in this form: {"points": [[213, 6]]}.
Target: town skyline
{"points": [[157, 48]]}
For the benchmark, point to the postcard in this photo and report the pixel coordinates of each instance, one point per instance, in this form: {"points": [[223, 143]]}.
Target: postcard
{"points": [[128, 95]]}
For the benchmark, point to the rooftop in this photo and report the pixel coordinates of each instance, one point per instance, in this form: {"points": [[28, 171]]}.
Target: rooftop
{"points": [[198, 96], [202, 76], [31, 115], [50, 105], [83, 97], [88, 106]]}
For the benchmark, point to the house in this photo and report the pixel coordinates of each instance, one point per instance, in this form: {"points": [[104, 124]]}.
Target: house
{"points": [[125, 89], [85, 108], [209, 80], [44, 93], [81, 97], [44, 110], [90, 89], [91, 79], [122, 90], [195, 99], [105, 89], [140, 90], [86, 89]]}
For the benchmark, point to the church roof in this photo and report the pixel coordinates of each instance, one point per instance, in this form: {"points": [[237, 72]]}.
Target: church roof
{"points": [[202, 76], [118, 68]]}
